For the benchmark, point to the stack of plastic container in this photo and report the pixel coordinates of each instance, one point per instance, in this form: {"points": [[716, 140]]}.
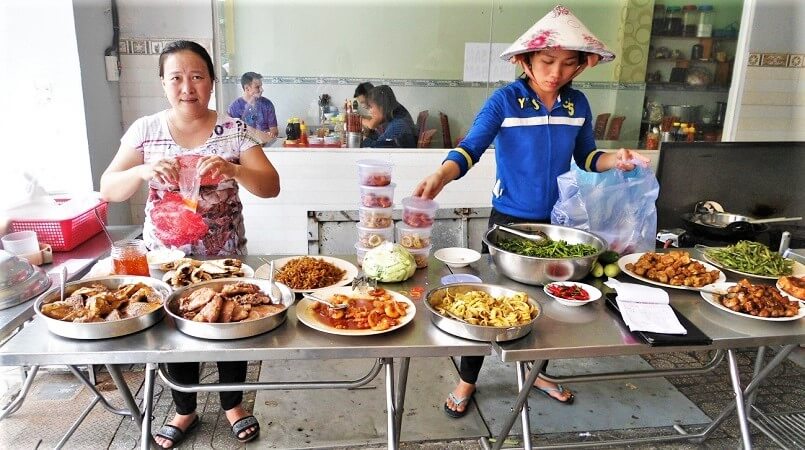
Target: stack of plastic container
{"points": [[375, 224], [414, 233]]}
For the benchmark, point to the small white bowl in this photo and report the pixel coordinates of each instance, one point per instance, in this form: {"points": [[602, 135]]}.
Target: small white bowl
{"points": [[594, 293], [163, 256], [457, 256]]}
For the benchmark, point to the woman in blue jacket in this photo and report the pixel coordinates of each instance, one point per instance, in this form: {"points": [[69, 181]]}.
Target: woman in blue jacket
{"points": [[538, 123], [390, 124]]}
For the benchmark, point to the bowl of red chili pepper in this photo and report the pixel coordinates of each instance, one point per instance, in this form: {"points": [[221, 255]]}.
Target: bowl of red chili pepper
{"points": [[572, 294]]}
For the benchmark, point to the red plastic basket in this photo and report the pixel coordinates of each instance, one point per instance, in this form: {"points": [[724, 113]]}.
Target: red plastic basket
{"points": [[65, 235]]}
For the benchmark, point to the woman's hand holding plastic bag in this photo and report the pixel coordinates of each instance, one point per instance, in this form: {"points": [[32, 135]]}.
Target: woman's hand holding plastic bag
{"points": [[616, 205]]}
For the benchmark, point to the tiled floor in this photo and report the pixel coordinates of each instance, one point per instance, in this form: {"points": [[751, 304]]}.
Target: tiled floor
{"points": [[56, 399]]}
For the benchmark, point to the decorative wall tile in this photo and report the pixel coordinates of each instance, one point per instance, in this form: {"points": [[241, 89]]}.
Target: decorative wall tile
{"points": [[754, 59], [155, 47], [278, 79], [139, 46], [774, 60], [796, 60]]}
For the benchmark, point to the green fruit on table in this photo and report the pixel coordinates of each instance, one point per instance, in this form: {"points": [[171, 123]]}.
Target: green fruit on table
{"points": [[598, 270], [612, 270], [608, 257]]}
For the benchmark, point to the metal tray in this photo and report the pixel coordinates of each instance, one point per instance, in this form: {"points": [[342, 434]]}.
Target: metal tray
{"points": [[223, 331], [477, 332], [102, 330]]}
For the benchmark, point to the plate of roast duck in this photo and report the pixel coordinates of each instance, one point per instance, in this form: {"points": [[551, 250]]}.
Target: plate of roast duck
{"points": [[229, 308]]}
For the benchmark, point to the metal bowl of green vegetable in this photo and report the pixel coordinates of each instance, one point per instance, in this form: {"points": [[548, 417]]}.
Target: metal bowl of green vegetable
{"points": [[567, 254]]}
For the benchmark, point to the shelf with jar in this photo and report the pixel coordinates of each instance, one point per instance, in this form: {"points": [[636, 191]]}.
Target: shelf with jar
{"points": [[668, 86]]}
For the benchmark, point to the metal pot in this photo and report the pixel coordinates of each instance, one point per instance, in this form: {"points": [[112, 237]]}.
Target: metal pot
{"points": [[686, 113], [102, 330], [235, 330], [541, 271], [476, 332]]}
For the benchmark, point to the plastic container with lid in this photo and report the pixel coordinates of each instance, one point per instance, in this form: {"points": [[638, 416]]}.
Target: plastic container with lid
{"points": [[372, 237], [706, 18], [690, 20], [419, 212], [421, 256], [372, 172], [360, 253], [375, 217], [673, 21], [413, 237], [377, 196]]}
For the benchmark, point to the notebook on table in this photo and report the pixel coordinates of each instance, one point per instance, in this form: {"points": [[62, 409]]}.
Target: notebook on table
{"points": [[694, 335]]}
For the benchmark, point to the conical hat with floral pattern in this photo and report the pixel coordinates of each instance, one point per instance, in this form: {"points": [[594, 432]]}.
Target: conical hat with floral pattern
{"points": [[559, 29]]}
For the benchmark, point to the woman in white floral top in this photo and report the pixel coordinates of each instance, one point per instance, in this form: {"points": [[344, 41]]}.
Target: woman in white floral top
{"points": [[185, 142]]}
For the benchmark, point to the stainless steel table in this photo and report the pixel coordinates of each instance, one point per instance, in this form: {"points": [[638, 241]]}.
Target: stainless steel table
{"points": [[594, 331], [162, 343], [77, 261]]}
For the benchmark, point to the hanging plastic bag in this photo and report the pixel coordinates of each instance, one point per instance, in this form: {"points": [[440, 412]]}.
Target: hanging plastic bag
{"points": [[615, 205]]}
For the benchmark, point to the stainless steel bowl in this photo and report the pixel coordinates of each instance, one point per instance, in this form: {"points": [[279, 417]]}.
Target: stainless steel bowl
{"points": [[476, 332], [236, 330], [102, 330], [541, 271]]}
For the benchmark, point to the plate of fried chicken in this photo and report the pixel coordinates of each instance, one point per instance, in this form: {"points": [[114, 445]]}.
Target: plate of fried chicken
{"points": [[229, 308]]}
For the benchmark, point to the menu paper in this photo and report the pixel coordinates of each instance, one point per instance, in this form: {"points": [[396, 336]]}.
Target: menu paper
{"points": [[646, 308], [481, 62]]}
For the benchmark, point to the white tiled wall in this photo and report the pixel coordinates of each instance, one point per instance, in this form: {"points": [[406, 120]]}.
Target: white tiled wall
{"points": [[773, 105]]}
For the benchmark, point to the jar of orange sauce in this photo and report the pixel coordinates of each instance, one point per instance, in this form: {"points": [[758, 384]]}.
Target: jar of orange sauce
{"points": [[128, 258]]}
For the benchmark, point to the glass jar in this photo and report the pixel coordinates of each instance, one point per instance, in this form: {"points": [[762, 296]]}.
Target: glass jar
{"points": [[706, 16], [673, 21], [128, 258], [690, 20], [658, 21]]}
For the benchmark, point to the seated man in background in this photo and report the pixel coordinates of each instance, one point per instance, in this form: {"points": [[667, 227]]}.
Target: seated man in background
{"points": [[256, 111], [389, 123]]}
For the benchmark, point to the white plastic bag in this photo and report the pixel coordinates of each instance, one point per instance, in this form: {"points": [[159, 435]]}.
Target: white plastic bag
{"points": [[615, 205]]}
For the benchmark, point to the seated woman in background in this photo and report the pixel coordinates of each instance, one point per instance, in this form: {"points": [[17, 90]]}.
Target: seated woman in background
{"points": [[390, 124], [165, 150], [361, 92]]}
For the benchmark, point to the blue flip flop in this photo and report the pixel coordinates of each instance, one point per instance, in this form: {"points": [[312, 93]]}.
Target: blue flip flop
{"points": [[458, 401], [560, 389]]}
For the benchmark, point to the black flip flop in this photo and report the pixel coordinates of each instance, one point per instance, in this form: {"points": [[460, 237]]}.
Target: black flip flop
{"points": [[458, 401], [243, 424], [176, 434], [560, 389]]}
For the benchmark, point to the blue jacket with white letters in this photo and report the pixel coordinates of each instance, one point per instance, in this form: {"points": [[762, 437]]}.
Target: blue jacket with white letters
{"points": [[533, 146]]}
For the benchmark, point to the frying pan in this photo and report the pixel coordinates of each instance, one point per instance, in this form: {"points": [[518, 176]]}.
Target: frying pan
{"points": [[725, 225]]}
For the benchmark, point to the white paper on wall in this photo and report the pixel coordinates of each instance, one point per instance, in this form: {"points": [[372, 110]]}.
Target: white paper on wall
{"points": [[482, 62]]}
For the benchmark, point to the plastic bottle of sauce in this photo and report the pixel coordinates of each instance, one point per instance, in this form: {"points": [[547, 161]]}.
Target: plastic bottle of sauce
{"points": [[691, 134], [653, 139], [128, 258], [303, 134]]}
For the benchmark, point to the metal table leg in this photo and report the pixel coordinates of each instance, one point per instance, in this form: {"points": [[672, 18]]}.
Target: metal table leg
{"points": [[524, 419], [125, 392], [77, 423], [739, 400], [17, 402], [750, 399], [146, 440], [518, 405], [391, 410], [402, 382]]}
